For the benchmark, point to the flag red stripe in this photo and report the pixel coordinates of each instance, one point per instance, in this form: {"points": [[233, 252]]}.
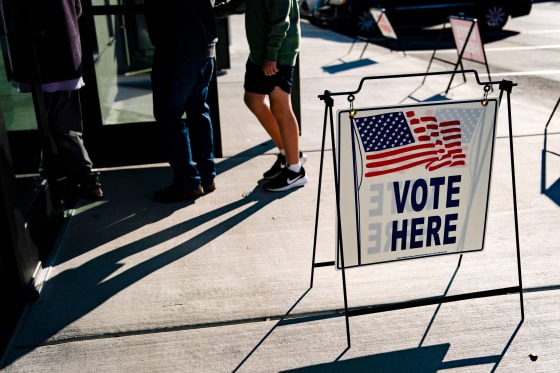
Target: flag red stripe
{"points": [[455, 151], [437, 165], [391, 152], [452, 137], [428, 119], [450, 130], [450, 123], [399, 160], [396, 169], [453, 144]]}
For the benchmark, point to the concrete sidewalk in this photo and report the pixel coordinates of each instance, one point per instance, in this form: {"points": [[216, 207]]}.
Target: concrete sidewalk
{"points": [[222, 284]]}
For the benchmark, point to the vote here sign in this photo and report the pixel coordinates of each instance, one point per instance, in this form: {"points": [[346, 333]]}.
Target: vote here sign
{"points": [[466, 31], [383, 23], [414, 180]]}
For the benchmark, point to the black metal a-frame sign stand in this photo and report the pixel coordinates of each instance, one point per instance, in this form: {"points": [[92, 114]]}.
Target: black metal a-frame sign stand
{"points": [[381, 20], [461, 52], [505, 86]]}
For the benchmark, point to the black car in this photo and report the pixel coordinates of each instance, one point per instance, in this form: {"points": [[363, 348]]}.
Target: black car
{"points": [[491, 14]]}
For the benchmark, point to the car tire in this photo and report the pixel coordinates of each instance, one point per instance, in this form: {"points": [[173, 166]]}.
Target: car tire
{"points": [[314, 22], [363, 23], [494, 17]]}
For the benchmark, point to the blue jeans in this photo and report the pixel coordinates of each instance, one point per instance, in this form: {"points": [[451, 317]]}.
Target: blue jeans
{"points": [[179, 87]]}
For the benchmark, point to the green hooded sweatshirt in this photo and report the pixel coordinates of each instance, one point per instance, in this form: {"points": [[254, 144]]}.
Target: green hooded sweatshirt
{"points": [[272, 28]]}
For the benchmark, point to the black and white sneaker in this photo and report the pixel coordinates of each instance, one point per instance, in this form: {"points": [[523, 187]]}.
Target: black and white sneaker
{"points": [[279, 164], [286, 180]]}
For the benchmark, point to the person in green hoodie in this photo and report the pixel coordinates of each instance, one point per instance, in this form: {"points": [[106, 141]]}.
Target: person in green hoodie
{"points": [[273, 33]]}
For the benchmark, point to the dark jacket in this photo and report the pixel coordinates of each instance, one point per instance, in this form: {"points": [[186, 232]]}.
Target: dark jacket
{"points": [[184, 29], [52, 25]]}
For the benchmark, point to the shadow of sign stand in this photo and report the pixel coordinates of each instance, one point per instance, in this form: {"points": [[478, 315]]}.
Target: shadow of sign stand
{"points": [[551, 191], [382, 21], [461, 173], [468, 42]]}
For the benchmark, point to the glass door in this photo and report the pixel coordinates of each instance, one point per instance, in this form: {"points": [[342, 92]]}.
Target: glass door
{"points": [[117, 99]]}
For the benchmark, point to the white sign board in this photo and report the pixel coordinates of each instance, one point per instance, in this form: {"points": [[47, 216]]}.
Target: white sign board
{"points": [[414, 180], [383, 23], [474, 49]]}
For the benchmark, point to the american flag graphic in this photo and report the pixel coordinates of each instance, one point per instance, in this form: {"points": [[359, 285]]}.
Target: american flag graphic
{"points": [[398, 141]]}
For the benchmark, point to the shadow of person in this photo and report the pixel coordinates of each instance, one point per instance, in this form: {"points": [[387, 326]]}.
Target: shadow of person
{"points": [[70, 295], [129, 205]]}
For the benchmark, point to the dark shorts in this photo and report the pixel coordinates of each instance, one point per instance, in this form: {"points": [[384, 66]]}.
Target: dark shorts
{"points": [[257, 82]]}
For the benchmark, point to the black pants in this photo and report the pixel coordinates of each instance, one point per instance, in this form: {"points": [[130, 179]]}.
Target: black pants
{"points": [[64, 114]]}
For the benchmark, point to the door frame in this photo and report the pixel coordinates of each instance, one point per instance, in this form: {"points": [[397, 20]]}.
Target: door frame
{"points": [[128, 143]]}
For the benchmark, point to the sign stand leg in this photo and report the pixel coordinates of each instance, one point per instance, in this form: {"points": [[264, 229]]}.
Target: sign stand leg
{"points": [[506, 86], [434, 53], [339, 230], [328, 116], [328, 108], [460, 58]]}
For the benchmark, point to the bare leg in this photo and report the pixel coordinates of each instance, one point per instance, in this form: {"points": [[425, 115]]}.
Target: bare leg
{"points": [[257, 104], [281, 108]]}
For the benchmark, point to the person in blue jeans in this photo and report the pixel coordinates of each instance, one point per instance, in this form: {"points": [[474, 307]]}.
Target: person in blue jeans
{"points": [[183, 33]]}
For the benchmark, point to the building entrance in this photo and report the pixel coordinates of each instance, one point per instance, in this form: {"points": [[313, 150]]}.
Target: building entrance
{"points": [[119, 130]]}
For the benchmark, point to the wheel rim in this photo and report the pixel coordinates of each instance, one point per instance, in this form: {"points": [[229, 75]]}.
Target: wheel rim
{"points": [[365, 22], [495, 16]]}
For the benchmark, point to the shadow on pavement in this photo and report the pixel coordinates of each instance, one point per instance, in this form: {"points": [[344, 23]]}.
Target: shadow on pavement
{"points": [[419, 360], [343, 66], [76, 292]]}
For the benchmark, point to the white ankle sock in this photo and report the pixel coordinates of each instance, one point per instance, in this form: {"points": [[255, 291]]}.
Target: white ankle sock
{"points": [[295, 167]]}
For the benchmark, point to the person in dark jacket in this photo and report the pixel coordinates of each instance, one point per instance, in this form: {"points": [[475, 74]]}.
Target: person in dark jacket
{"points": [[183, 33], [52, 27]]}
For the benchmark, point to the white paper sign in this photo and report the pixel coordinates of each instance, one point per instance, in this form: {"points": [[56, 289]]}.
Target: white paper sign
{"points": [[383, 23], [474, 49], [414, 180]]}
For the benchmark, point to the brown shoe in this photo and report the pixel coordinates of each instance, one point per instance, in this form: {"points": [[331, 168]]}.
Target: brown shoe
{"points": [[209, 188], [92, 192], [90, 188]]}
